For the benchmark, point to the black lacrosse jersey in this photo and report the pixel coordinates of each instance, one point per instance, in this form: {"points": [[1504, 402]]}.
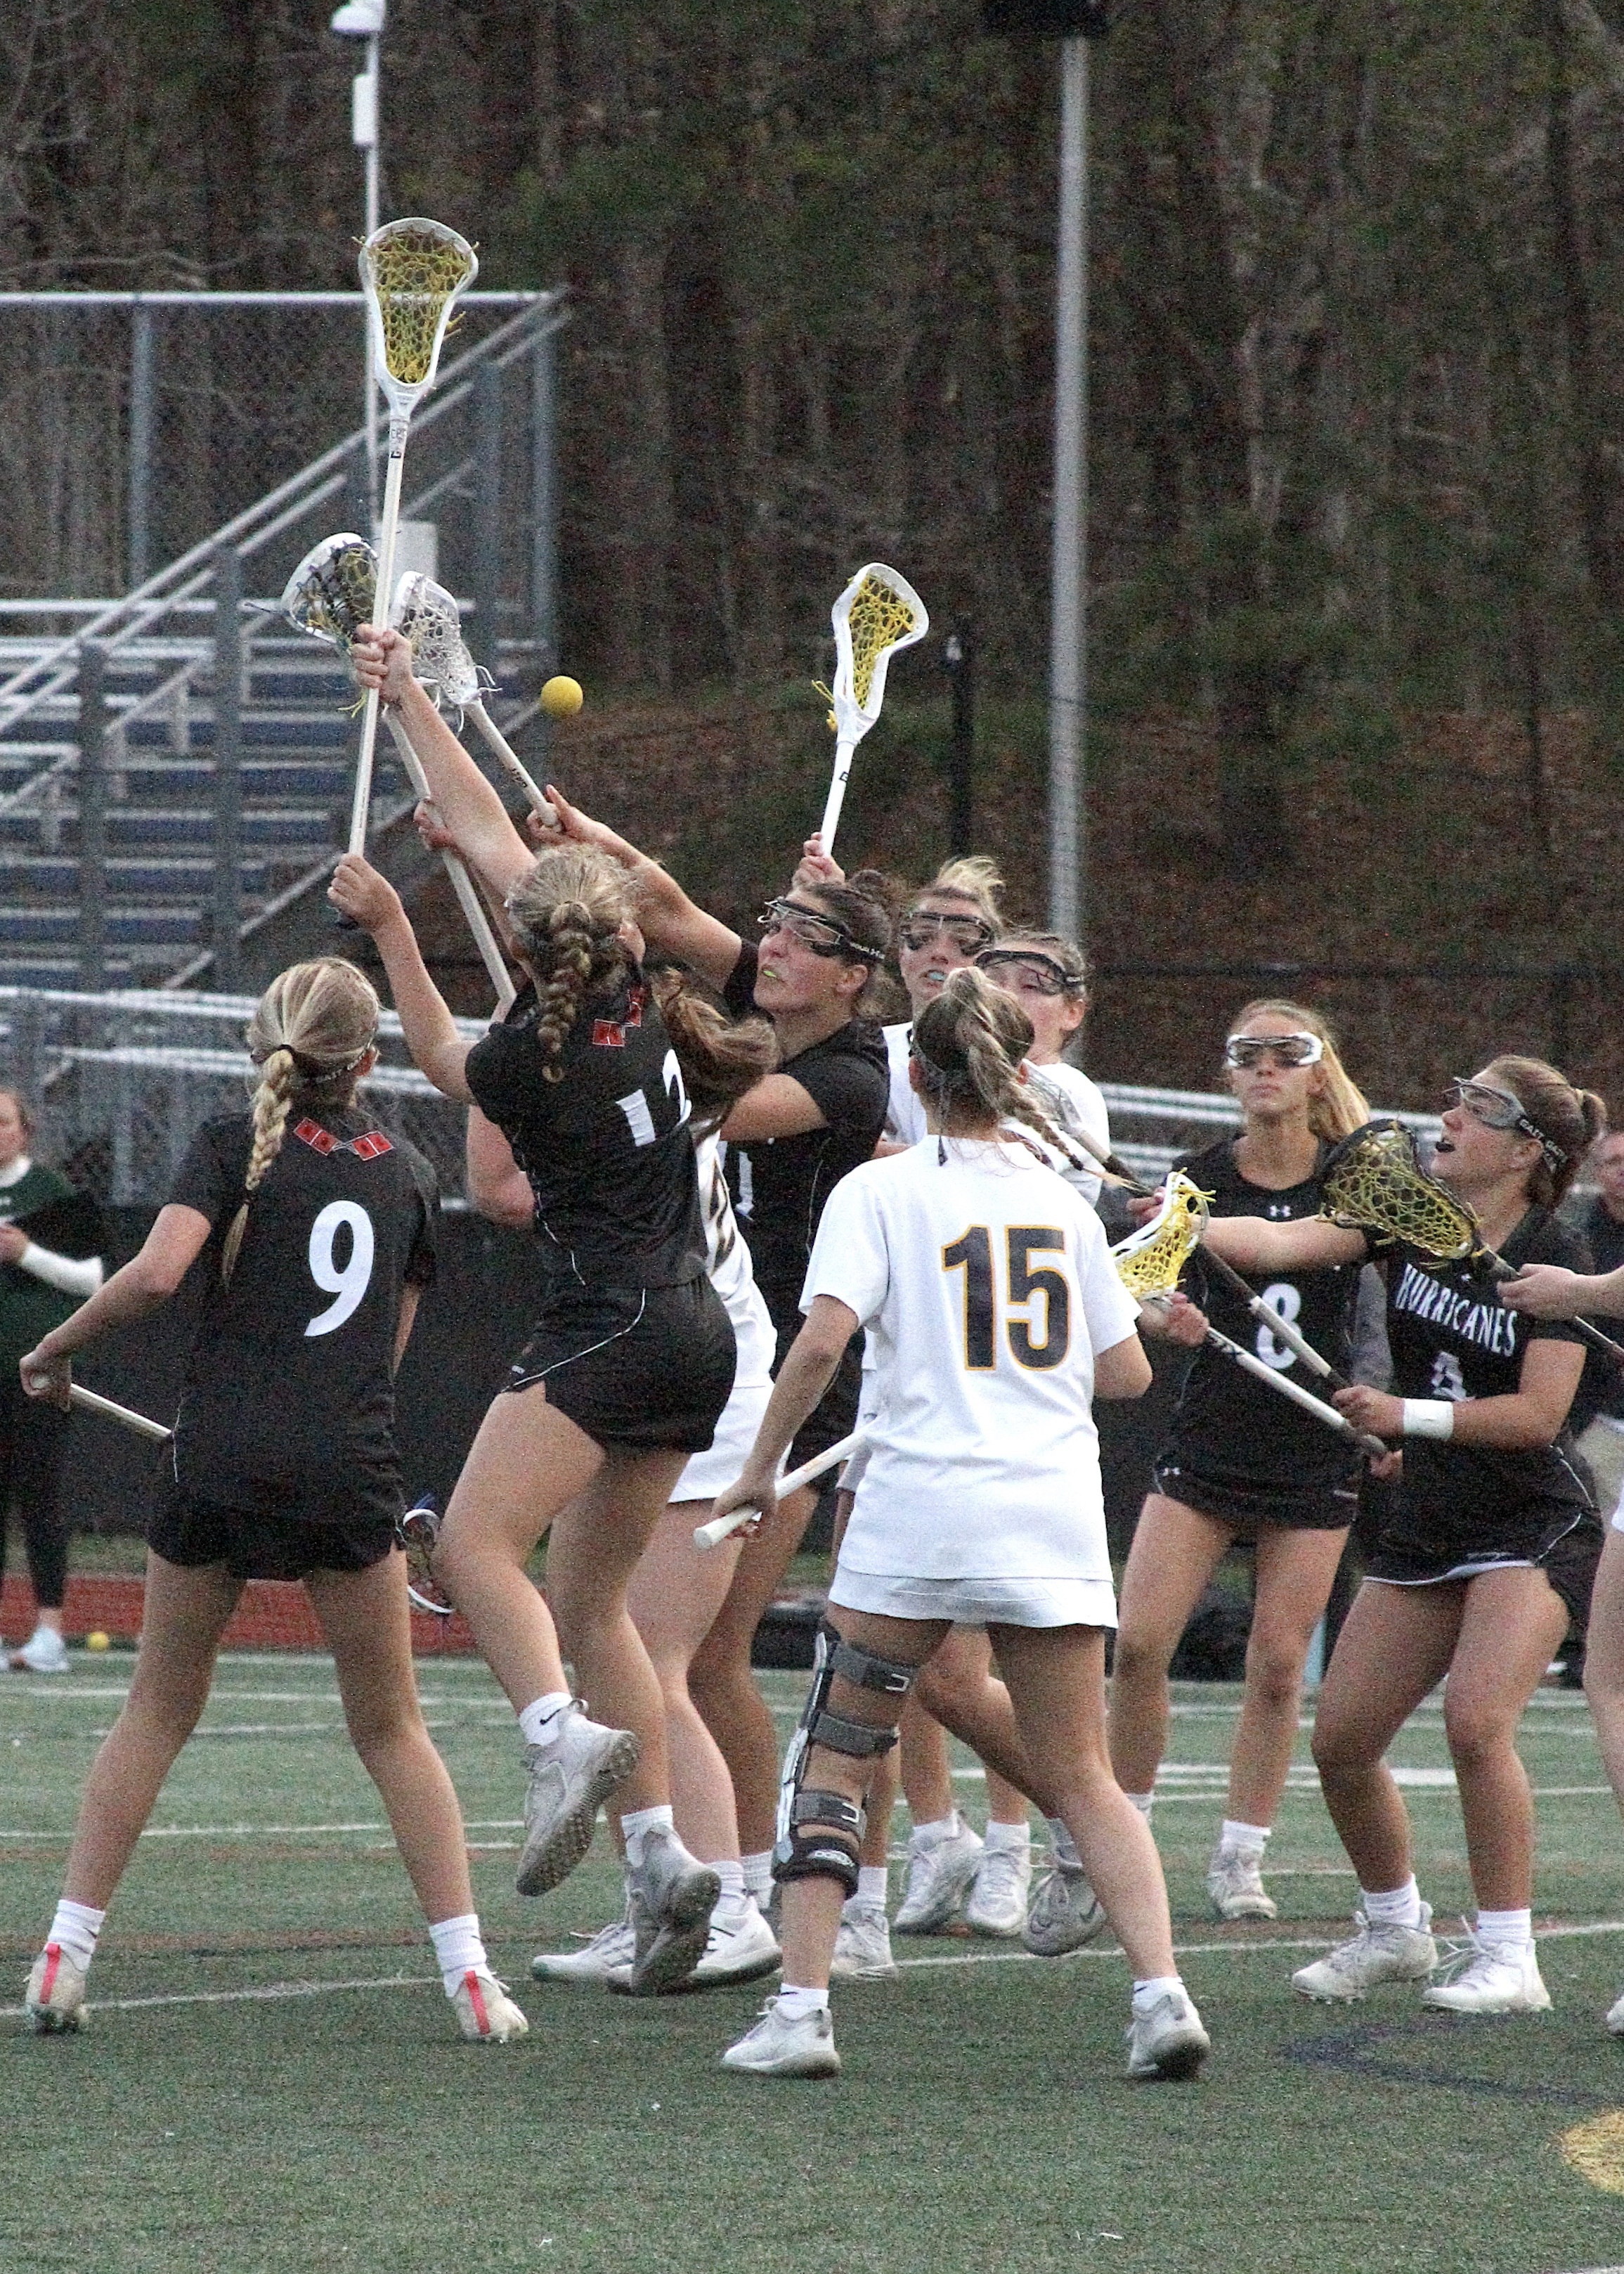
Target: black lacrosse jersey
{"points": [[608, 1148], [288, 1401], [779, 1183], [1452, 1337], [1227, 1426]]}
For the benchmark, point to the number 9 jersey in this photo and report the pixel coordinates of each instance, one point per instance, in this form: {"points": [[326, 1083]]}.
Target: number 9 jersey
{"points": [[288, 1405]]}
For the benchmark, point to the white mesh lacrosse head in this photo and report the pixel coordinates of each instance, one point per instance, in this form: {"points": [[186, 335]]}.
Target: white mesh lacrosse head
{"points": [[330, 594], [878, 612], [426, 614], [1149, 1260], [411, 272]]}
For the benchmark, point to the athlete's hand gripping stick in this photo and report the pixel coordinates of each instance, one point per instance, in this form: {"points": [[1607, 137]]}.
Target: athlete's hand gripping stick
{"points": [[720, 1527]]}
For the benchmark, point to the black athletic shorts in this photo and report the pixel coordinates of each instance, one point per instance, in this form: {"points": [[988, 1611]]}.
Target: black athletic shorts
{"points": [[643, 1367], [835, 1414], [1251, 1508], [1558, 1537], [189, 1532]]}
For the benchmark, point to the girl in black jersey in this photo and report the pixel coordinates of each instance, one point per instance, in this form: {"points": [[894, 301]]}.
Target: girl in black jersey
{"points": [[1241, 1462], [632, 1356], [792, 1137], [1489, 1553], [316, 1231]]}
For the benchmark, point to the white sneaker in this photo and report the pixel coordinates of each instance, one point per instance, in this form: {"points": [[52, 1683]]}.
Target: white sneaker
{"points": [[1064, 1913], [1376, 1954], [54, 1999], [998, 1904], [742, 1948], [612, 1947], [862, 1946], [1167, 2040], [1615, 2018], [1488, 1977], [672, 1896], [44, 1652], [485, 2011], [939, 1879], [570, 1779], [1234, 1885], [777, 2048]]}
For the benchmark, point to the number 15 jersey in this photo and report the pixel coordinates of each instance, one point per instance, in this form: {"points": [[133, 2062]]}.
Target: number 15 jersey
{"points": [[986, 1287], [287, 1404]]}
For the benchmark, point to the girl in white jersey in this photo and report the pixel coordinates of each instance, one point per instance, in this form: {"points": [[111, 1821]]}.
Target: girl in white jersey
{"points": [[987, 1290]]}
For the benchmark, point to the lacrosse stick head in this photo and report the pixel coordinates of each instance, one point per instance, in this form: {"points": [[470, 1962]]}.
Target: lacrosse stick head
{"points": [[418, 1533], [411, 273], [331, 593], [878, 612], [1148, 1262], [1374, 1181], [426, 614]]}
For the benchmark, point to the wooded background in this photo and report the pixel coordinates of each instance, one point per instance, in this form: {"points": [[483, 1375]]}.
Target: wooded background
{"points": [[1356, 523]]}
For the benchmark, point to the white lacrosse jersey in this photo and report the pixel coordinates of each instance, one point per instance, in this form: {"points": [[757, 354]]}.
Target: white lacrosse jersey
{"points": [[727, 1260], [1064, 1093], [986, 1286]]}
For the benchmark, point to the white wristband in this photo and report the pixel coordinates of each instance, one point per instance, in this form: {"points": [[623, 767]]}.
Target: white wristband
{"points": [[1429, 1417]]}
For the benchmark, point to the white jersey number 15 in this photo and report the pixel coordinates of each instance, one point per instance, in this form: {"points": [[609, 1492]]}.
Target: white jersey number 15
{"points": [[972, 1252]]}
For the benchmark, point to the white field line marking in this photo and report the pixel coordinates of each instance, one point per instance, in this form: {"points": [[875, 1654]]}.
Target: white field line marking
{"points": [[266, 1830], [1217, 1949], [267, 1993]]}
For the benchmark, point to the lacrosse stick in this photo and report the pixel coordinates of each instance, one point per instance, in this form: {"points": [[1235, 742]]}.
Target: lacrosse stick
{"points": [[89, 1402], [1148, 1262], [1374, 1182], [411, 272], [877, 614], [418, 1534], [712, 1534], [427, 615], [330, 596]]}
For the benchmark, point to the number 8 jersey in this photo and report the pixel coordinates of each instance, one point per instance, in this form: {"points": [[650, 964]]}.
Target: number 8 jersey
{"points": [[986, 1286], [288, 1405]]}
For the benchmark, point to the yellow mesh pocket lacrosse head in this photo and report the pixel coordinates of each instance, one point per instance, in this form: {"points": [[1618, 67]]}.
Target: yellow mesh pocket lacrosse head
{"points": [[878, 614], [330, 594], [1374, 1181], [411, 272], [1149, 1260], [427, 615]]}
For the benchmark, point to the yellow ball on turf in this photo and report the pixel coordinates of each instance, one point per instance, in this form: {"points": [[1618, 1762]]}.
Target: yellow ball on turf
{"points": [[98, 1641], [561, 697]]}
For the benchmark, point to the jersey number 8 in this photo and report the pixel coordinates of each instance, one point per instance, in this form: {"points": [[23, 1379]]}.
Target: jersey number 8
{"points": [[346, 1283], [971, 1253]]}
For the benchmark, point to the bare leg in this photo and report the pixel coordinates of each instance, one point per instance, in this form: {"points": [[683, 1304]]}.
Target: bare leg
{"points": [[722, 1685], [365, 1619], [881, 1803], [1604, 1660], [926, 1772], [960, 1690], [1394, 1648], [1176, 1550], [1294, 1571], [185, 1613], [673, 1598], [1513, 1624]]}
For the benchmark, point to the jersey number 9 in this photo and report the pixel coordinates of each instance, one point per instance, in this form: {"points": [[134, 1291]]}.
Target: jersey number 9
{"points": [[346, 1283], [971, 1253]]}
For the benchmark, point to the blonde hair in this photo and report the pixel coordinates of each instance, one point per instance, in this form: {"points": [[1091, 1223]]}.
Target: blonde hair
{"points": [[971, 877], [970, 1041], [1572, 1120], [1339, 1109], [720, 1058], [566, 911], [310, 1031]]}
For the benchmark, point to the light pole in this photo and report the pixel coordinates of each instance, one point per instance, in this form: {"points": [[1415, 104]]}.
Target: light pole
{"points": [[364, 20]]}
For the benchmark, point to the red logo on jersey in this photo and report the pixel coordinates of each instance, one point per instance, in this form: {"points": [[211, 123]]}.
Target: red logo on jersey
{"points": [[610, 1034], [322, 1140]]}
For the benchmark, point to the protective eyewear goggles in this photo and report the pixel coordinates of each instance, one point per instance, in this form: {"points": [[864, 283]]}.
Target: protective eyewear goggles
{"points": [[1281, 1050], [968, 933], [1045, 974], [1498, 1109], [822, 934]]}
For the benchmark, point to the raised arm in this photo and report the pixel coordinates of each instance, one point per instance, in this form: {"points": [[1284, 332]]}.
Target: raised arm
{"points": [[432, 1038], [668, 918], [1546, 1290], [1313, 1243]]}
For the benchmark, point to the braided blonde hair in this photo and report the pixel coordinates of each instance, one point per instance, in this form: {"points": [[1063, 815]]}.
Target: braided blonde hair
{"points": [[310, 1030], [970, 1041], [566, 911]]}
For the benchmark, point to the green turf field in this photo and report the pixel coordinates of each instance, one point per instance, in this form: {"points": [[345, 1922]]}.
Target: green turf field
{"points": [[213, 2116]]}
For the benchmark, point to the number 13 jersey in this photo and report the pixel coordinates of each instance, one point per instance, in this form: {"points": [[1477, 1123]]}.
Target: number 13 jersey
{"points": [[289, 1394], [986, 1286]]}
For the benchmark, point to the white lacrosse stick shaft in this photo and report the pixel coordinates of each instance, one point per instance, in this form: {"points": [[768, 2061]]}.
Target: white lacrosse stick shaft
{"points": [[462, 884], [712, 1534], [836, 798], [1305, 1398], [89, 1402], [362, 804], [509, 756]]}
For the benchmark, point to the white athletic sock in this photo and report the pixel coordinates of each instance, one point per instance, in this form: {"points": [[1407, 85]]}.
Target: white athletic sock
{"points": [[1144, 1802], [795, 2005], [1508, 1931], [458, 1949], [757, 1870], [638, 1821], [932, 1835], [1016, 1836], [76, 1927], [539, 1719], [1154, 1986], [1243, 1839], [1397, 1906], [731, 1902], [1063, 1843], [873, 1886]]}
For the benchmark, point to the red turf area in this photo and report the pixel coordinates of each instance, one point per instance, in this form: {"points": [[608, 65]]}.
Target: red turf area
{"points": [[273, 1614]]}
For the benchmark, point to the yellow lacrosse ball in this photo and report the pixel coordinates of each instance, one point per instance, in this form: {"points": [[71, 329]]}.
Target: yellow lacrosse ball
{"points": [[561, 697], [98, 1641]]}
